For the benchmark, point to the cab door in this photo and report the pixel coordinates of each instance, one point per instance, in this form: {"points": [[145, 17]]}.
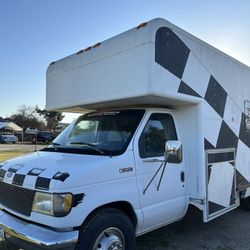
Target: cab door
{"points": [[163, 195]]}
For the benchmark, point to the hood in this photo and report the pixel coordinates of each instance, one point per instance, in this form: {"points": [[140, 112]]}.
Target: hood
{"points": [[52, 171]]}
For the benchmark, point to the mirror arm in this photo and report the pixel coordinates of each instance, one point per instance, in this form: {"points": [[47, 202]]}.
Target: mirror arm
{"points": [[163, 170], [144, 191]]}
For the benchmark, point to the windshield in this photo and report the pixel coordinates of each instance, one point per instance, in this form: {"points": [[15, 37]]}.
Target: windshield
{"points": [[101, 133]]}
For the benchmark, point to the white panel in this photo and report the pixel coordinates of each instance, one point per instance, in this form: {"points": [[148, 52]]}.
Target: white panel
{"points": [[30, 181], [164, 81], [232, 115], [220, 183], [247, 194], [123, 75], [243, 160], [8, 178], [189, 122], [196, 75], [212, 124]]}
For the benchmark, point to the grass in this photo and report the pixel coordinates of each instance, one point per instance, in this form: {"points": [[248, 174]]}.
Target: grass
{"points": [[5, 155]]}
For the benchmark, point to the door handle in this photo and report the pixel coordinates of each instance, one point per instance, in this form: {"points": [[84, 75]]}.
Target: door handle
{"points": [[182, 176]]}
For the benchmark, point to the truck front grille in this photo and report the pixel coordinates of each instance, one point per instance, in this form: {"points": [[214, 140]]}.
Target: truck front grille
{"points": [[16, 198]]}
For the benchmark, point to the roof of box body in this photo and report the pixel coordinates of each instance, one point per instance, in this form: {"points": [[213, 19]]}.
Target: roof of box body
{"points": [[74, 82], [122, 42]]}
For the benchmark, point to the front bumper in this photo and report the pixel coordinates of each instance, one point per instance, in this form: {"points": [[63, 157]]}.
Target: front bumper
{"points": [[31, 236]]}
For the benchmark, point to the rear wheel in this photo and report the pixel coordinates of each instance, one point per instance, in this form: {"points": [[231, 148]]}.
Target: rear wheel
{"points": [[245, 203], [108, 229]]}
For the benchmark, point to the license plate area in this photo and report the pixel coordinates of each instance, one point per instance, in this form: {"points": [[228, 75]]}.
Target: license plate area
{"points": [[2, 234]]}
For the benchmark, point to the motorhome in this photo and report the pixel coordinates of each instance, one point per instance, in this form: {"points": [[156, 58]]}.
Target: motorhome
{"points": [[165, 125]]}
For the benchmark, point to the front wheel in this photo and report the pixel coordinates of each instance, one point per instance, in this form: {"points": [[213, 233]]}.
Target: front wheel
{"points": [[108, 229]]}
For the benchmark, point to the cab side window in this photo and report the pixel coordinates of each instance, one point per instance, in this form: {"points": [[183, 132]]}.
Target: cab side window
{"points": [[159, 129]]}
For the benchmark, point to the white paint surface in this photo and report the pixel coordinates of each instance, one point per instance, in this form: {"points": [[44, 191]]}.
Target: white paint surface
{"points": [[232, 115], [196, 75], [220, 183], [243, 160], [212, 123], [247, 194]]}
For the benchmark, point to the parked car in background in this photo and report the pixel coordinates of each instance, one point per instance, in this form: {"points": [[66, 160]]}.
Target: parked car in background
{"points": [[44, 136], [4, 138]]}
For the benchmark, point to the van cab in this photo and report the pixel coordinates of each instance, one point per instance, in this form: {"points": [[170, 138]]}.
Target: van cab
{"points": [[104, 161]]}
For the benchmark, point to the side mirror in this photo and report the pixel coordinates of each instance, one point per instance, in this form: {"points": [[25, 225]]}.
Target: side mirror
{"points": [[173, 152]]}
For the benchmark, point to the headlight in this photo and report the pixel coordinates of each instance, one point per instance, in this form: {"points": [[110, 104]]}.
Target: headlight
{"points": [[57, 205]]}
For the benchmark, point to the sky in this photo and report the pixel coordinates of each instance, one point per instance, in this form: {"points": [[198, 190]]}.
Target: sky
{"points": [[35, 33]]}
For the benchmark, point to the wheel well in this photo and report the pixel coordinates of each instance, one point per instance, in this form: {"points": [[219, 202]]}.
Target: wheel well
{"points": [[124, 206]]}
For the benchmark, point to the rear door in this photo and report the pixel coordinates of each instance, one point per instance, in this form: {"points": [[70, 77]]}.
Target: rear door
{"points": [[165, 201]]}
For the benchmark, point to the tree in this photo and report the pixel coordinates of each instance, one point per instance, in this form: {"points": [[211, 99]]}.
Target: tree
{"points": [[26, 116], [52, 118]]}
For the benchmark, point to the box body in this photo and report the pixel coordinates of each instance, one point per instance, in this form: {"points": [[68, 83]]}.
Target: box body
{"points": [[163, 65]]}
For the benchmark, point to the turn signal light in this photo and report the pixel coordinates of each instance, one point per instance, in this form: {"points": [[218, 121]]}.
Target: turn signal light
{"points": [[88, 48], [96, 45], [79, 52], [142, 25]]}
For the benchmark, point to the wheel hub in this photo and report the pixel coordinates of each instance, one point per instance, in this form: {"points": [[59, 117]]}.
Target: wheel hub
{"points": [[110, 239]]}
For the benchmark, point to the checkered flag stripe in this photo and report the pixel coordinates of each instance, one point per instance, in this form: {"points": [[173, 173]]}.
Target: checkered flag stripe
{"points": [[222, 131], [35, 178]]}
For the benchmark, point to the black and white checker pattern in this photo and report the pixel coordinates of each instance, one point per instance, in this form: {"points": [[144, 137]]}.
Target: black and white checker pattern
{"points": [[35, 178], [222, 159], [225, 123]]}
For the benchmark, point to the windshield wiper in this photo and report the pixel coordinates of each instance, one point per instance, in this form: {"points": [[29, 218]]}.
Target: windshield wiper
{"points": [[90, 145]]}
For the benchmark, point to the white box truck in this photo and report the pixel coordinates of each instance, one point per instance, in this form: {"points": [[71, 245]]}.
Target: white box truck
{"points": [[166, 125]]}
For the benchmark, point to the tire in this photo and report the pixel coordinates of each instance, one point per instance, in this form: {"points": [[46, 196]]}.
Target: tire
{"points": [[9, 246], [245, 203], [107, 228]]}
